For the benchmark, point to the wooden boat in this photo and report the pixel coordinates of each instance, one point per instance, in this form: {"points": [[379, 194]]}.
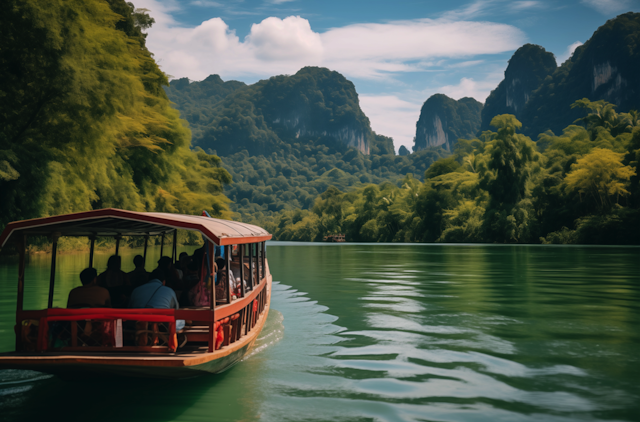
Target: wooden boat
{"points": [[334, 238], [142, 342]]}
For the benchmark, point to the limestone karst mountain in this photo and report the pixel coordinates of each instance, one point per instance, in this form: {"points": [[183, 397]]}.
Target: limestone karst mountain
{"points": [[540, 94], [261, 118], [444, 120], [604, 68], [527, 69]]}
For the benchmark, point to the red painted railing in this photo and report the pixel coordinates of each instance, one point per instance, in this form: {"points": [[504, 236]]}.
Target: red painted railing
{"points": [[219, 328]]}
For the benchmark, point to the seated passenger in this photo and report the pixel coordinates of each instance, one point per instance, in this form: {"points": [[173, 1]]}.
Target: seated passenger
{"points": [[89, 295], [116, 281], [183, 263], [172, 275], [154, 294], [139, 276]]}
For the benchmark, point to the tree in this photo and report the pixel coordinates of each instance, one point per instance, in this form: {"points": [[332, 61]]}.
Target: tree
{"points": [[506, 177], [601, 177]]}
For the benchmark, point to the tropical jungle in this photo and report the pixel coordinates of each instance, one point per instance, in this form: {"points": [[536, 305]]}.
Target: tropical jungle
{"points": [[88, 120]]}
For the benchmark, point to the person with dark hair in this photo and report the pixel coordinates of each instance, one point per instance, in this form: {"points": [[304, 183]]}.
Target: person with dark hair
{"points": [[139, 276], [154, 294], [89, 295], [116, 281], [172, 276]]}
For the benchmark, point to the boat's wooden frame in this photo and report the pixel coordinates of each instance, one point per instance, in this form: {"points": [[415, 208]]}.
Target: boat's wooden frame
{"points": [[240, 320]]}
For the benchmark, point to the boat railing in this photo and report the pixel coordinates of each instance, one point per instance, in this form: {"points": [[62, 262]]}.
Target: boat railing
{"points": [[137, 330]]}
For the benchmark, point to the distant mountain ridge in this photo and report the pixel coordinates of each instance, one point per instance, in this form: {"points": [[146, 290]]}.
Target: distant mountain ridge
{"points": [[228, 117], [444, 120], [540, 94], [527, 68], [604, 68]]}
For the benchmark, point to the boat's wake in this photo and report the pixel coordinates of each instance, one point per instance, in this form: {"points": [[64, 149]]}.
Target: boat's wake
{"points": [[272, 333]]}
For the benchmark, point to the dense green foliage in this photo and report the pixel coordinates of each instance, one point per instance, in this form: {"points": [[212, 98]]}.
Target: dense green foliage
{"points": [[502, 187], [458, 119], [286, 139], [84, 121], [197, 101], [229, 117], [527, 69], [292, 178]]}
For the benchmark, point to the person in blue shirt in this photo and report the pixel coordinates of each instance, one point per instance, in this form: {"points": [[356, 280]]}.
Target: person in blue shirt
{"points": [[154, 294]]}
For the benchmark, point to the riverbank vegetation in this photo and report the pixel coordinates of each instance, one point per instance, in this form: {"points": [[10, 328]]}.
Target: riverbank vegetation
{"points": [[84, 121], [577, 187], [292, 179]]}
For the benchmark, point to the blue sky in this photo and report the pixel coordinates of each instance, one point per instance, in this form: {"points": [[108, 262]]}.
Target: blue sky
{"points": [[397, 53]]}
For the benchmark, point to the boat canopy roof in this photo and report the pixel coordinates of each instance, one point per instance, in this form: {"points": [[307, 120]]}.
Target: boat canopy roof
{"points": [[115, 222]]}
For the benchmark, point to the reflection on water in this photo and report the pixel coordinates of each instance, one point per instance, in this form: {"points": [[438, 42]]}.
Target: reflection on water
{"points": [[396, 333]]}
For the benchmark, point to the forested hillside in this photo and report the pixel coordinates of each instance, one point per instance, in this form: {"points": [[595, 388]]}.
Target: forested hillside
{"points": [[314, 104], [292, 178], [84, 121], [285, 140], [579, 187]]}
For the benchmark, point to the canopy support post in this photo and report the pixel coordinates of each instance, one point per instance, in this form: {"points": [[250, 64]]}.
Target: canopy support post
{"points": [[174, 250], [241, 253], [210, 248], [146, 243], [162, 246], [251, 266], [118, 244], [52, 279], [261, 262], [93, 244], [229, 272], [21, 245]]}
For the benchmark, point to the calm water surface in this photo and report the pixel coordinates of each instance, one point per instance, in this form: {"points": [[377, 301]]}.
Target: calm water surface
{"points": [[387, 333]]}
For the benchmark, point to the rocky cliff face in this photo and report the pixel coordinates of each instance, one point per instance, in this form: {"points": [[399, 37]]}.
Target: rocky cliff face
{"points": [[604, 68], [527, 68], [443, 121], [300, 123], [261, 118]]}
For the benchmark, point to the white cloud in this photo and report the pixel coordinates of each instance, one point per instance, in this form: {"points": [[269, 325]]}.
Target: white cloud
{"points": [[469, 87], [392, 116], [285, 39], [608, 7], [523, 5], [569, 52], [375, 51], [277, 46], [471, 11], [468, 63], [206, 3]]}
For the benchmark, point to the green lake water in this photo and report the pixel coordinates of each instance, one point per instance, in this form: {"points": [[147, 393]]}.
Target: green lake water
{"points": [[386, 333]]}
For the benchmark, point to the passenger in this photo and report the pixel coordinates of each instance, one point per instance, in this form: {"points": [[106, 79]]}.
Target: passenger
{"points": [[190, 278], [155, 294], [173, 277], [139, 276], [197, 291], [221, 278], [196, 259], [116, 281], [183, 263], [89, 295]]}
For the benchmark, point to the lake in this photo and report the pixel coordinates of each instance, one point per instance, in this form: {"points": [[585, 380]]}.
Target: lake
{"points": [[362, 332]]}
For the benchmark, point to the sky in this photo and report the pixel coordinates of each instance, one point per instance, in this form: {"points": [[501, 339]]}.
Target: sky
{"points": [[397, 53]]}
